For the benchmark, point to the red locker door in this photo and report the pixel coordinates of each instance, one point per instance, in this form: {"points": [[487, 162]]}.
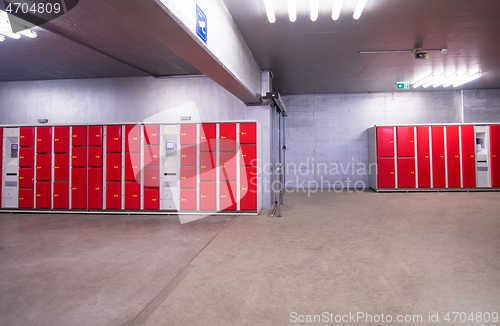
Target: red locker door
{"points": [[495, 155], [405, 141], [152, 199], [151, 156], [79, 188], [95, 136], [132, 167], [43, 167], [188, 177], [114, 139], [113, 195], [113, 167], [61, 139], [26, 157], [43, 195], [61, 167], [208, 196], [132, 138], [208, 137], [79, 157], [438, 162], [26, 136], [188, 134], [406, 172], [207, 167], [188, 155], [95, 188], [228, 196], [453, 156], [61, 195], [228, 166], [188, 199], [424, 157], [151, 177], [248, 155], [385, 141], [79, 136], [386, 173], [26, 197], [248, 189], [132, 195], [44, 140], [26, 177], [151, 134], [227, 135], [468, 157], [248, 133], [95, 156]]}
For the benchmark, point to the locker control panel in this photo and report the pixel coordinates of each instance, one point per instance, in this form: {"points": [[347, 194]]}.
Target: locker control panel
{"points": [[14, 150], [483, 174], [170, 168], [10, 187]]}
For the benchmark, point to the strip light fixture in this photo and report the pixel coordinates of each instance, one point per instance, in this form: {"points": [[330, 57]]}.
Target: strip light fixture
{"points": [[359, 9], [433, 80], [468, 79], [337, 6], [314, 10], [459, 78], [447, 80], [292, 10], [268, 6], [423, 81]]}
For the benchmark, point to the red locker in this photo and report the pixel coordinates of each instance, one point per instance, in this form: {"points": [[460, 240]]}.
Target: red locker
{"points": [[132, 195], [61, 139], [43, 167], [113, 195], [188, 134], [208, 137], [26, 177], [248, 189], [208, 196], [26, 157], [207, 167], [79, 136], [95, 156], [248, 155], [151, 134], [424, 157], [95, 136], [27, 136], [385, 141], [188, 155], [132, 167], [61, 195], [406, 172], [228, 196], [113, 167], [44, 140], [95, 188], [26, 197], [151, 177], [43, 195], [152, 199], [386, 173], [151, 156], [227, 135], [228, 166], [495, 155], [79, 157], [1, 137], [188, 177], [79, 188], [405, 141], [61, 167], [468, 157], [248, 133], [453, 156], [188, 199], [114, 139], [438, 160], [132, 138]]}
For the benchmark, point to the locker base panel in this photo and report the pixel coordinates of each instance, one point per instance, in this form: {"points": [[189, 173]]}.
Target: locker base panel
{"points": [[436, 189], [135, 212]]}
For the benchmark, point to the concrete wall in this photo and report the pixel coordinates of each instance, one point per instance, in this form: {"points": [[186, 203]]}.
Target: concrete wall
{"points": [[326, 135]]}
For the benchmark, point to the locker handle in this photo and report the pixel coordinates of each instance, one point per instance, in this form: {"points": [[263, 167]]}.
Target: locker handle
{"points": [[413, 173], [457, 156], [472, 156], [38, 139], [427, 156], [441, 156], [391, 141], [243, 133], [56, 139], [56, 167], [98, 135], [115, 138], [494, 156], [411, 141], [392, 172], [56, 195]]}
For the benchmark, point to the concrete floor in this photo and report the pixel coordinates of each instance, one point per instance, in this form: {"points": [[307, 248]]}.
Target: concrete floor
{"points": [[397, 254]]}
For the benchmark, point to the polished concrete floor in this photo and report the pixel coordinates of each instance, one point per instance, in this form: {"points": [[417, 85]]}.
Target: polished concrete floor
{"points": [[395, 254]]}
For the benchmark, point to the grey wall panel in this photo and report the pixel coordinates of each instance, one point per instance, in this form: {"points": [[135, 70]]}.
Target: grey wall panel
{"points": [[482, 105]]}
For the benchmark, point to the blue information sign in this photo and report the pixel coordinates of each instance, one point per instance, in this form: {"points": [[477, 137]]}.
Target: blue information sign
{"points": [[201, 24]]}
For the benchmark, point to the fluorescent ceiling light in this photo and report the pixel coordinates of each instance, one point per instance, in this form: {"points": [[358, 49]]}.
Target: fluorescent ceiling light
{"points": [[423, 81], [292, 10], [314, 10], [468, 79], [268, 5], [337, 6], [455, 80], [359, 9], [433, 80], [446, 79], [2, 38]]}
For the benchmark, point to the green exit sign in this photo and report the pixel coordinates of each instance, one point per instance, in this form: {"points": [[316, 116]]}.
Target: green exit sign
{"points": [[403, 85]]}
